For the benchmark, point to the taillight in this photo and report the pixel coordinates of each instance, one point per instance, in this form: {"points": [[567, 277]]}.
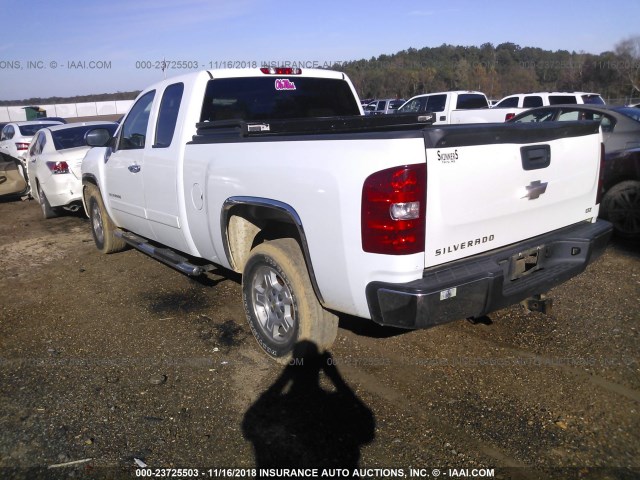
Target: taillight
{"points": [[22, 146], [600, 176], [281, 71], [509, 116], [58, 167], [393, 210]]}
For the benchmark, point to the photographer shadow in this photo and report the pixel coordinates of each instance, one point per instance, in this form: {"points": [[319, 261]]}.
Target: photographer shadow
{"points": [[296, 423]]}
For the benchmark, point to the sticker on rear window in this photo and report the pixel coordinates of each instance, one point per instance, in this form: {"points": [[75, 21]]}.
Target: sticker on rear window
{"points": [[285, 84]]}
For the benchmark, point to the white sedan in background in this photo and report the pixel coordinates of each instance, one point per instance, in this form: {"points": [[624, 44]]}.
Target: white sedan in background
{"points": [[16, 136], [54, 159]]}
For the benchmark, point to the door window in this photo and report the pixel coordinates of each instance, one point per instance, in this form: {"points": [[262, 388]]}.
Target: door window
{"points": [[134, 129]]}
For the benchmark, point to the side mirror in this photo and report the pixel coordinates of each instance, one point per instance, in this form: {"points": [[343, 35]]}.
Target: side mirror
{"points": [[98, 137]]}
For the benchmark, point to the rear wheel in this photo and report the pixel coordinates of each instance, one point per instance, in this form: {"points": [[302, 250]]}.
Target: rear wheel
{"points": [[47, 210], [621, 206], [102, 227], [279, 301]]}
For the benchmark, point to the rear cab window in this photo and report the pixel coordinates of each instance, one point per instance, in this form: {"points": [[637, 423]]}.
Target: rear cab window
{"points": [[269, 98], [30, 130], [562, 99], [470, 101]]}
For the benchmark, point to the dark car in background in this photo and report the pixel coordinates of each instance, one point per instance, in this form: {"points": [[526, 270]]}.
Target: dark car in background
{"points": [[621, 130]]}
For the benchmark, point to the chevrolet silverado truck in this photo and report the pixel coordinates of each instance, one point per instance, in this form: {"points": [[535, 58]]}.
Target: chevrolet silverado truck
{"points": [[451, 108], [276, 174]]}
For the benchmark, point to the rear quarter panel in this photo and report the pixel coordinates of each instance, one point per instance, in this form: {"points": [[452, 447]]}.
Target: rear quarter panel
{"points": [[322, 181]]}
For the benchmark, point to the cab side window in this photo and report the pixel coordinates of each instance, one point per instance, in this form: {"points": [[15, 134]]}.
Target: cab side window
{"points": [[168, 115], [510, 102], [532, 101], [38, 145], [436, 103], [42, 141], [134, 129]]}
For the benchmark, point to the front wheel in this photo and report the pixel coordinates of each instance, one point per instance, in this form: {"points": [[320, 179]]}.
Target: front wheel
{"points": [[102, 227], [281, 306], [621, 206]]}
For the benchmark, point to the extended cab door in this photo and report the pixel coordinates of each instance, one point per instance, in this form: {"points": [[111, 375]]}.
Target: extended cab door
{"points": [[161, 173], [124, 168]]}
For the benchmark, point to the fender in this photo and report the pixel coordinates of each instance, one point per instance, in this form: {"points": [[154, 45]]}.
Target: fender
{"points": [[93, 167], [282, 208]]}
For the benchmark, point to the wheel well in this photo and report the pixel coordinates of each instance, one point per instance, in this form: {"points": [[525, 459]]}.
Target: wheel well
{"points": [[87, 180], [248, 222], [250, 225]]}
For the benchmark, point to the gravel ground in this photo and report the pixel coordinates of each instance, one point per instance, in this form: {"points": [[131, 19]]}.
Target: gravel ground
{"points": [[113, 361]]}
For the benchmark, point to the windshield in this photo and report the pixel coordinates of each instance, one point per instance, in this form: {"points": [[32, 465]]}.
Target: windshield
{"points": [[30, 130], [592, 99], [74, 137]]}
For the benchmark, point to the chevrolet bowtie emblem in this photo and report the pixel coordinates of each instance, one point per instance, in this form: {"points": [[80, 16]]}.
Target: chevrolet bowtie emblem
{"points": [[535, 189]]}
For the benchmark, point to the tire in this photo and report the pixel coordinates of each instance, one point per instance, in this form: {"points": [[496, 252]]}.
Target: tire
{"points": [[621, 206], [47, 210], [102, 226], [281, 306]]}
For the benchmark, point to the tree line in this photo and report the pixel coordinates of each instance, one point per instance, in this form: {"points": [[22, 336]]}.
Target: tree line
{"points": [[498, 71], [495, 70]]}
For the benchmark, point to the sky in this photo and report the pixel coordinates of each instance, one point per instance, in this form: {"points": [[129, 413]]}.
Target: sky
{"points": [[66, 48]]}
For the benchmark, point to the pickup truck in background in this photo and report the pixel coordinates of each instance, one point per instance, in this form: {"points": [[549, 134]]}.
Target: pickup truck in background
{"points": [[275, 173], [518, 103], [455, 107]]}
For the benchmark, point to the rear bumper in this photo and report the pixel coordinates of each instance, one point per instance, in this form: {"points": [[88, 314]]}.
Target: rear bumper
{"points": [[475, 286], [63, 190]]}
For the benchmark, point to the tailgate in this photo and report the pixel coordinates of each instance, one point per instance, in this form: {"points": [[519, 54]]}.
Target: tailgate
{"points": [[493, 185]]}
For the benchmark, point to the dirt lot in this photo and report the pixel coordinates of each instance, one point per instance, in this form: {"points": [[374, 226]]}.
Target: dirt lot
{"points": [[109, 359]]}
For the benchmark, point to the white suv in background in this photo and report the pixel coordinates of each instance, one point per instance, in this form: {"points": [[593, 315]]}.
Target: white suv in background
{"points": [[524, 101]]}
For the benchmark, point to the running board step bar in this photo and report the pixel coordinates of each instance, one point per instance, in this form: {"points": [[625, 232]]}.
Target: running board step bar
{"points": [[164, 255]]}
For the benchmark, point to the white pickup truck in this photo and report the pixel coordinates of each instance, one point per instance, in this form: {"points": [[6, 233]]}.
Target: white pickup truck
{"points": [[276, 174], [460, 106]]}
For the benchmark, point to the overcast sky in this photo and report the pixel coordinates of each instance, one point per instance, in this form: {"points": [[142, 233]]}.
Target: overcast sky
{"points": [[65, 47]]}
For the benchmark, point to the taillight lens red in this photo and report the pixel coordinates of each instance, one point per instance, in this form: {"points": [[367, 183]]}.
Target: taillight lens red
{"points": [[601, 176], [509, 116], [399, 192], [22, 146], [58, 167]]}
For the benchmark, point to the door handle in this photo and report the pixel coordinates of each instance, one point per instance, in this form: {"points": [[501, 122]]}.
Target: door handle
{"points": [[134, 168]]}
